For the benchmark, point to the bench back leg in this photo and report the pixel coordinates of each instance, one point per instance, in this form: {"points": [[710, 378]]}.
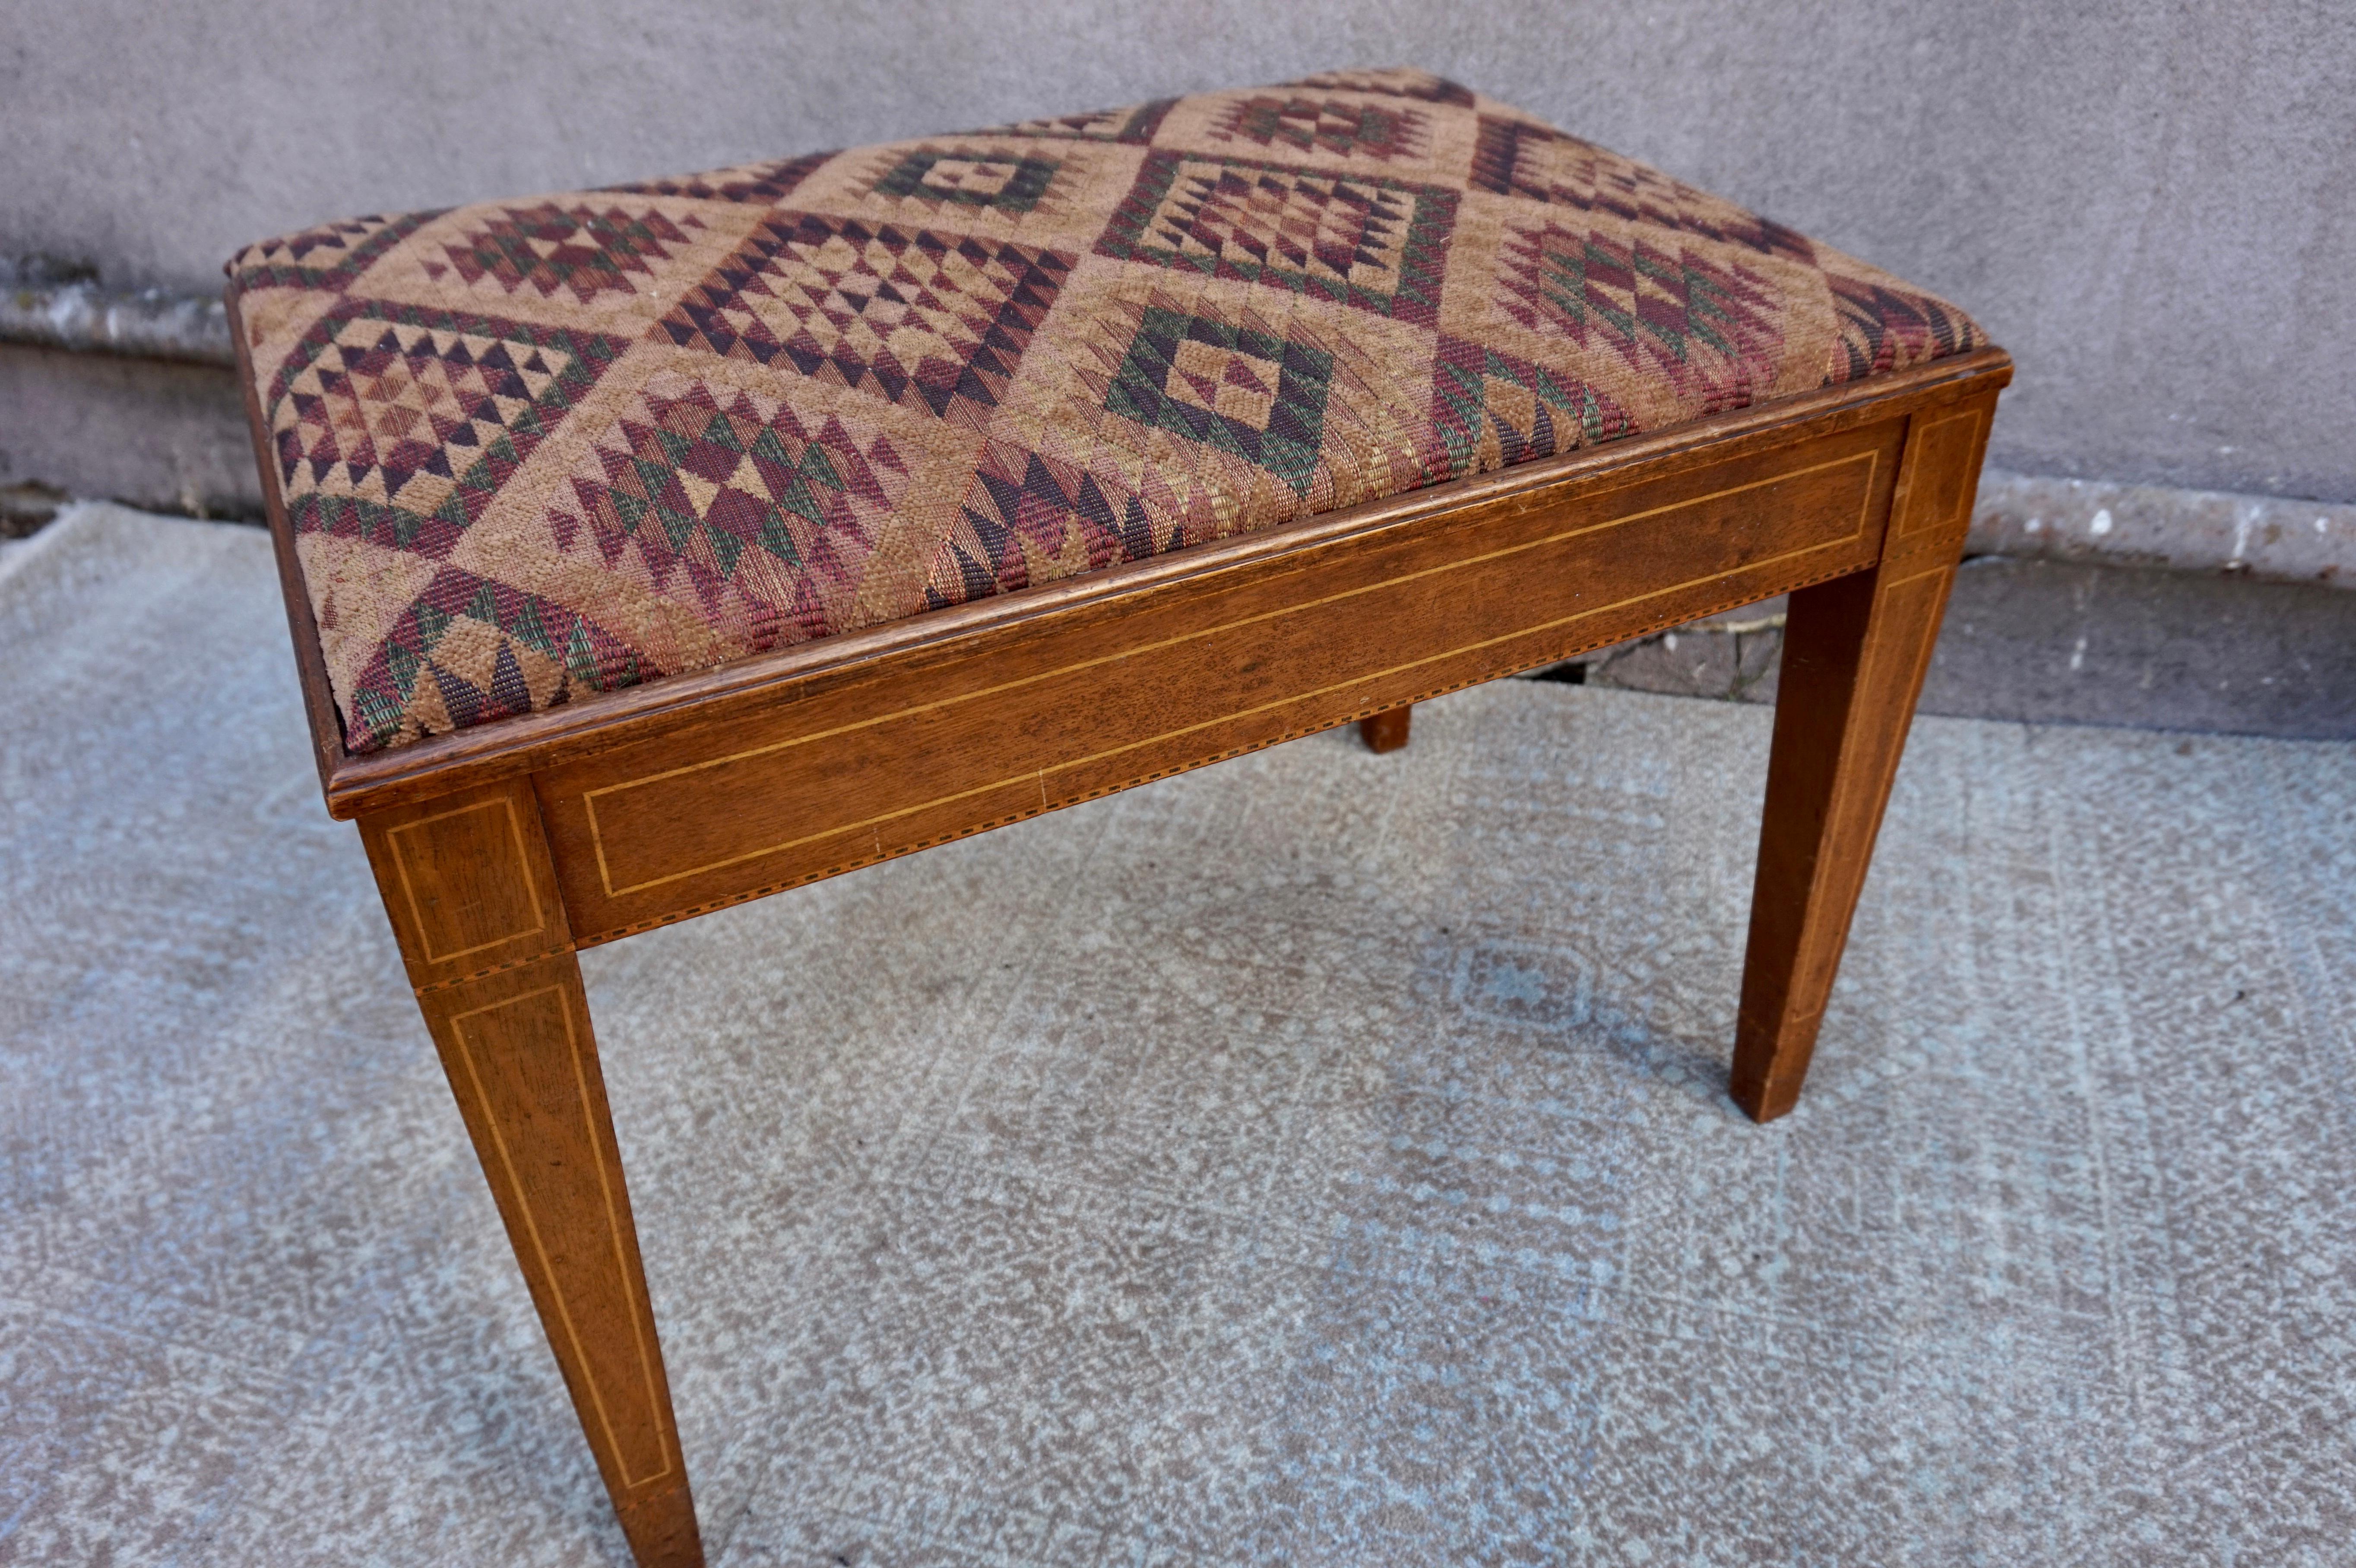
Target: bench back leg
{"points": [[472, 895], [1386, 731]]}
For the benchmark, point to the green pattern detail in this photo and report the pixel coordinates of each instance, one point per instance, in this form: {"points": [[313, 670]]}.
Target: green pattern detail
{"points": [[1462, 392], [381, 713], [581, 658], [1287, 446], [403, 663], [529, 629], [722, 434], [1562, 279]]}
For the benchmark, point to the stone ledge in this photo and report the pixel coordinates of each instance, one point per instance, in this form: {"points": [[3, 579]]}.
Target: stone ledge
{"points": [[51, 305], [2100, 521]]}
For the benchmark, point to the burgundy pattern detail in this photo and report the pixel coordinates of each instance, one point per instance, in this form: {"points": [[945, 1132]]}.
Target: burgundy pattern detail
{"points": [[579, 250], [929, 320]]}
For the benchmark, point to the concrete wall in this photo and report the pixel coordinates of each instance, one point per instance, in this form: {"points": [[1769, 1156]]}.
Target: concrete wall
{"points": [[2153, 206]]}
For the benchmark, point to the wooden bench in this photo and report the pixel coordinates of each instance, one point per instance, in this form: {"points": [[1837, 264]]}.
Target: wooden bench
{"points": [[511, 828]]}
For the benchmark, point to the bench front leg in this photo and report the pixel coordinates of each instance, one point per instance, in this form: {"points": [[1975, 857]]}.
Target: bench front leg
{"points": [[469, 887], [1855, 652]]}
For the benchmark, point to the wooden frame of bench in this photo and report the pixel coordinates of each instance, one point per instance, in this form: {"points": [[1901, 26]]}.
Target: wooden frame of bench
{"points": [[502, 850]]}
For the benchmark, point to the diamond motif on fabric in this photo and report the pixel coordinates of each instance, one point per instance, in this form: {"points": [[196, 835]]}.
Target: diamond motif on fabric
{"points": [[328, 257], [397, 425], [1327, 124], [964, 176], [764, 517], [1710, 330], [577, 249], [1537, 163], [1249, 392], [1491, 411], [469, 650], [1377, 244], [1884, 328], [1506, 160], [924, 320], [1026, 511]]}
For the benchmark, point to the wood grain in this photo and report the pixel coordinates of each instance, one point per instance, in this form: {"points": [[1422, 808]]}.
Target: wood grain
{"points": [[467, 884], [936, 742], [1854, 653]]}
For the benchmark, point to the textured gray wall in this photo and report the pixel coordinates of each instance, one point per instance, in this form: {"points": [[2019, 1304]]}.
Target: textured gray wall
{"points": [[2152, 206]]}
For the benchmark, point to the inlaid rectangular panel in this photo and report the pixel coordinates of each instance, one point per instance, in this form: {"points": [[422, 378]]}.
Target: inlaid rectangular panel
{"points": [[467, 881], [1939, 479], [944, 742], [480, 892]]}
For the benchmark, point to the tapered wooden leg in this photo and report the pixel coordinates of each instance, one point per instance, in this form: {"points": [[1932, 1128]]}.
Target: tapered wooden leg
{"points": [[1386, 731], [472, 896], [1855, 652]]}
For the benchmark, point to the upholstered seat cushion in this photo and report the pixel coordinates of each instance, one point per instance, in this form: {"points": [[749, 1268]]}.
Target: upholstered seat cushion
{"points": [[540, 448]]}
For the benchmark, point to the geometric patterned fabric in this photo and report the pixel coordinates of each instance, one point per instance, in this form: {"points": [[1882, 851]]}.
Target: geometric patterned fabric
{"points": [[533, 450]]}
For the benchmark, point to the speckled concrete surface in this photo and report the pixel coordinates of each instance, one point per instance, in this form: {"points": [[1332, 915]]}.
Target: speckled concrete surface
{"points": [[1320, 1159]]}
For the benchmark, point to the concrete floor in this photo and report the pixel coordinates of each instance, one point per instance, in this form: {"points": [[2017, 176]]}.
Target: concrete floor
{"points": [[1318, 1158]]}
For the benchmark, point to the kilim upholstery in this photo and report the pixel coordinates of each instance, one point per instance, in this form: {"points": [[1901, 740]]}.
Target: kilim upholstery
{"points": [[538, 448]]}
